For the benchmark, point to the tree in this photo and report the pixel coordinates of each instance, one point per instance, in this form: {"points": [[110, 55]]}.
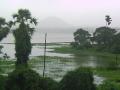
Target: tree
{"points": [[4, 28], [82, 37], [115, 49], [103, 36], [23, 35], [108, 20]]}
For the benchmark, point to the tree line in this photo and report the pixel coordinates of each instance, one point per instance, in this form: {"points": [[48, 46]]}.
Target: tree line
{"points": [[103, 39]]}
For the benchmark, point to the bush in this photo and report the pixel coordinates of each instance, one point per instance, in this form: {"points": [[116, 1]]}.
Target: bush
{"points": [[2, 82], [74, 44], [108, 86], [48, 84], [27, 79], [80, 79], [23, 79], [112, 66]]}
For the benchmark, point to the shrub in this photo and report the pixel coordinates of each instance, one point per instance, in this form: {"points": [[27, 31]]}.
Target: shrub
{"points": [[48, 84], [2, 82], [108, 86], [112, 66], [27, 79], [23, 79], [80, 79], [74, 44]]}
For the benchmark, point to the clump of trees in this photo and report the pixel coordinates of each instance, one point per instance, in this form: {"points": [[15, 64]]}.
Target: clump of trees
{"points": [[104, 38], [82, 39]]}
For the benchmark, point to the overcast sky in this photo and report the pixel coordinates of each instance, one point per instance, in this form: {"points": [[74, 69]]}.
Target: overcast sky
{"points": [[75, 12]]}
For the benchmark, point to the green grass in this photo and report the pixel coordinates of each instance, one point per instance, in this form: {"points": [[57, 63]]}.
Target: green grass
{"points": [[90, 51], [50, 44], [109, 75], [6, 66]]}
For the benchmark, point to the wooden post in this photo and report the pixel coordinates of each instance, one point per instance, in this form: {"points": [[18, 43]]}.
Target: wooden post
{"points": [[44, 55], [116, 60]]}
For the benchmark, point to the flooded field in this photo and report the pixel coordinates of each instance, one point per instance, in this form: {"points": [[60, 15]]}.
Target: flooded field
{"points": [[57, 64]]}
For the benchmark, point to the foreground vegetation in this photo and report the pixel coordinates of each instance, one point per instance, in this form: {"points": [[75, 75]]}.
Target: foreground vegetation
{"points": [[27, 79], [110, 74]]}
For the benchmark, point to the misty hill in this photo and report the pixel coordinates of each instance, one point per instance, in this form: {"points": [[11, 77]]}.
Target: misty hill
{"points": [[54, 22]]}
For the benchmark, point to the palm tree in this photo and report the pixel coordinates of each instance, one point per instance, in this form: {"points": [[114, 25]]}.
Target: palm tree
{"points": [[23, 35], [108, 20]]}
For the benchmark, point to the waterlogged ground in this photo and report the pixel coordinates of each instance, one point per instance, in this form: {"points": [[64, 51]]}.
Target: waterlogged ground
{"points": [[59, 63], [56, 67], [37, 50]]}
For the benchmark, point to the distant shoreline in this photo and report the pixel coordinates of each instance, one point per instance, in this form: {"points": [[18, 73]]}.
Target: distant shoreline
{"points": [[43, 43]]}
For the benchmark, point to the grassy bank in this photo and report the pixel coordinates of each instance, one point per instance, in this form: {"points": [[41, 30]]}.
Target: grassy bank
{"points": [[67, 49], [109, 74], [91, 51]]}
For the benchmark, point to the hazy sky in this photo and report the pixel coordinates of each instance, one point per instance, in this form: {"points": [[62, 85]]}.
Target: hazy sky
{"points": [[75, 12]]}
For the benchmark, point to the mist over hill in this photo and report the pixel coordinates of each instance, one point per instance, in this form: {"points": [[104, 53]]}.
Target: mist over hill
{"points": [[54, 22]]}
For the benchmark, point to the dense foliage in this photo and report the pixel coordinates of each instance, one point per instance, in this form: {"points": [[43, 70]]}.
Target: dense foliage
{"points": [[23, 79], [4, 28], [103, 39], [108, 86], [80, 79], [23, 45], [23, 35], [2, 82], [48, 84], [82, 38]]}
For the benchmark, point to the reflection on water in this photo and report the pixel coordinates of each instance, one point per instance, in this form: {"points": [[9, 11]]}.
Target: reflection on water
{"points": [[57, 67], [36, 51]]}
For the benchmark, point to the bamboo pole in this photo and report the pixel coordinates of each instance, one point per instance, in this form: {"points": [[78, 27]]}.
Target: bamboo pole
{"points": [[44, 55]]}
